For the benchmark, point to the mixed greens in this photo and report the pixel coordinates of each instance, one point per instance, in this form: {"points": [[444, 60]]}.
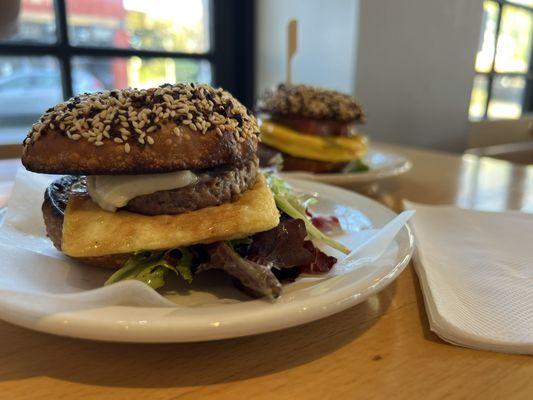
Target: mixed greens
{"points": [[356, 166], [151, 267], [257, 263], [288, 202]]}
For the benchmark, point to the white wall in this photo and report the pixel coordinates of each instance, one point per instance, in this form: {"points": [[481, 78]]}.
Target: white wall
{"points": [[415, 68], [326, 46]]}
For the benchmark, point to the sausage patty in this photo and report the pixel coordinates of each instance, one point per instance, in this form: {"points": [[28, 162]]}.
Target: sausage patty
{"points": [[214, 187]]}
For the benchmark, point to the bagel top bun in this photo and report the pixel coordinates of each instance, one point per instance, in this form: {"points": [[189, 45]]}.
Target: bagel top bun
{"points": [[310, 102], [137, 131]]}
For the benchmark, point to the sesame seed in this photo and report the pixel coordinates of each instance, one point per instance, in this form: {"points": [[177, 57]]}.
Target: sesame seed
{"points": [[150, 140], [127, 147]]}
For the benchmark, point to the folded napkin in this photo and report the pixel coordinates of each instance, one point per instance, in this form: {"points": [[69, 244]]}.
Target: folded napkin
{"points": [[476, 273]]}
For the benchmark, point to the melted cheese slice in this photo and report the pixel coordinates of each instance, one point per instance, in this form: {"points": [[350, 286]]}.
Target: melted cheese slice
{"points": [[114, 191], [319, 148], [89, 231]]}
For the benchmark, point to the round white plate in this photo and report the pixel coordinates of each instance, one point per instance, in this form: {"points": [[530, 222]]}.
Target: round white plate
{"points": [[382, 164], [211, 308]]}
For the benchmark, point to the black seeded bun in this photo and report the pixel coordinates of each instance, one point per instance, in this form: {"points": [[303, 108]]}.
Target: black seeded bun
{"points": [[296, 101], [132, 131]]}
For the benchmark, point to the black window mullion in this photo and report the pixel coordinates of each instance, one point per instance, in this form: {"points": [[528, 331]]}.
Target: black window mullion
{"points": [[63, 48], [117, 52], [57, 50], [490, 78], [233, 35], [527, 105]]}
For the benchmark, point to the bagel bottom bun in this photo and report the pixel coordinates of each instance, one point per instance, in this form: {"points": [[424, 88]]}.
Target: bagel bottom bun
{"points": [[290, 163]]}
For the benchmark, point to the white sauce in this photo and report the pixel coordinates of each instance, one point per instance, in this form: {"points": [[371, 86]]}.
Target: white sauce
{"points": [[114, 191]]}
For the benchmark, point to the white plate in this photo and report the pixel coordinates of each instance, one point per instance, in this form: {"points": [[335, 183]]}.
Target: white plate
{"points": [[382, 164], [209, 309]]}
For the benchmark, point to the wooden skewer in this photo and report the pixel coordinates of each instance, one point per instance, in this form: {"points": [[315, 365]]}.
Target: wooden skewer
{"points": [[292, 45]]}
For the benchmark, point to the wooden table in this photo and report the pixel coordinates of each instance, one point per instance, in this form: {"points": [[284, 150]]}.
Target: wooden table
{"points": [[379, 349]]}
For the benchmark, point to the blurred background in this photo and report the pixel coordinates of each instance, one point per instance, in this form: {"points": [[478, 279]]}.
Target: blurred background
{"points": [[446, 75]]}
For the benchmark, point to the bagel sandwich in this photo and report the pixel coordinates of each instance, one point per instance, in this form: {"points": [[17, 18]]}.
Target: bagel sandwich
{"points": [[313, 129], [163, 180]]}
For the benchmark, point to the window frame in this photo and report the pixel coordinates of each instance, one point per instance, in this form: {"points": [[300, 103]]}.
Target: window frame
{"points": [[527, 101], [231, 50]]}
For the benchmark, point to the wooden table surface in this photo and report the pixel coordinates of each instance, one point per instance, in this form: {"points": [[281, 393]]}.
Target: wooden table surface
{"points": [[379, 349]]}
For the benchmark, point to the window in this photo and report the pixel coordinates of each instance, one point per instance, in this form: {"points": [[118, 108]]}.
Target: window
{"points": [[503, 83], [66, 47]]}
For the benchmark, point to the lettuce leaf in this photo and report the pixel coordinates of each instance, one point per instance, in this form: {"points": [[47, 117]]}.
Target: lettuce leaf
{"points": [[292, 205], [152, 267], [356, 166], [184, 264]]}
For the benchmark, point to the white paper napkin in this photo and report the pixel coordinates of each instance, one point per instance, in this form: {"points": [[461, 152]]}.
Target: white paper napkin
{"points": [[476, 273], [5, 192], [37, 280]]}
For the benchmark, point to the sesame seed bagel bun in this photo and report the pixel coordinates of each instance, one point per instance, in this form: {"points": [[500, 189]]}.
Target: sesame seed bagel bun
{"points": [[132, 131], [297, 101]]}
